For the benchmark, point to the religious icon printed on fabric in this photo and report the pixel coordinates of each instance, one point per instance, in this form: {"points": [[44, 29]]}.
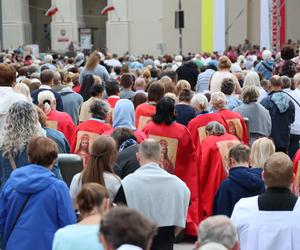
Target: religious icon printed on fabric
{"points": [[168, 152], [52, 124], [235, 128], [202, 133], [224, 148], [83, 145], [143, 121]]}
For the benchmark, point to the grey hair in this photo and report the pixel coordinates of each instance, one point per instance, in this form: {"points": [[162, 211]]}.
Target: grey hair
{"points": [[99, 109], [150, 149], [199, 100], [215, 128], [286, 82], [218, 100], [20, 126], [218, 229]]}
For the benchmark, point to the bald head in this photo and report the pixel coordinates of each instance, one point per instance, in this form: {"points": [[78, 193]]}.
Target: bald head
{"points": [[149, 151], [278, 171]]}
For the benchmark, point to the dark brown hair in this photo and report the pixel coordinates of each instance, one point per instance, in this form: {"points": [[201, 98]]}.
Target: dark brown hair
{"points": [[156, 91], [7, 75], [126, 81], [91, 195], [103, 156], [42, 151], [47, 77]]}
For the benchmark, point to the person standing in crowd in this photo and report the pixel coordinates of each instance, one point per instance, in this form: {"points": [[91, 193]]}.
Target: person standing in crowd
{"points": [[123, 228], [47, 77], [224, 72], [241, 182], [260, 123], [295, 98], [60, 121], [282, 112], [265, 67], [213, 165], [184, 110], [217, 233], [176, 142], [270, 220], [112, 89], [96, 125], [227, 87], [124, 117], [189, 72], [235, 122], [34, 203], [7, 94], [97, 92], [87, 82], [204, 78], [261, 150], [103, 156], [92, 67], [127, 144], [252, 78], [150, 182], [145, 111], [126, 87], [49, 63], [286, 67], [20, 126], [92, 202]]}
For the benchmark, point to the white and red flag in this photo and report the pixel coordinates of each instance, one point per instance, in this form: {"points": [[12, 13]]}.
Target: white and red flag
{"points": [[108, 8], [52, 10]]}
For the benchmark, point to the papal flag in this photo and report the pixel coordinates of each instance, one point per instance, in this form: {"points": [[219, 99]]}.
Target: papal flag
{"points": [[213, 25]]}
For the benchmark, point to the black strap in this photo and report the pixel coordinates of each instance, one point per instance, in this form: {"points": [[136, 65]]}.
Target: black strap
{"points": [[267, 67], [292, 98], [16, 219]]}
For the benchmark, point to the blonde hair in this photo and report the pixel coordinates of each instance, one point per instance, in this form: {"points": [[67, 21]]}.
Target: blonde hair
{"points": [[92, 61], [181, 85], [261, 150], [23, 89], [224, 62]]}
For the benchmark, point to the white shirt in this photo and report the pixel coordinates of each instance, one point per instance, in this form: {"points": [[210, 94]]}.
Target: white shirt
{"points": [[295, 127], [129, 247], [266, 230]]}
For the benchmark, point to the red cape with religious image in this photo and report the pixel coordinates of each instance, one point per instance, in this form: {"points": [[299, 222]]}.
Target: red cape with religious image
{"points": [[197, 126], [143, 114], [62, 122], [179, 158], [235, 124], [84, 136], [213, 169], [296, 184]]}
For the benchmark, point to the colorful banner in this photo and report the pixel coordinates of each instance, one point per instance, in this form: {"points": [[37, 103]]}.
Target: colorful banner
{"points": [[213, 25]]}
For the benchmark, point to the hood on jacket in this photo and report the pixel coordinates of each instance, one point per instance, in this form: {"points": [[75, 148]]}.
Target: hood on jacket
{"points": [[269, 63], [31, 179], [245, 177], [281, 101], [66, 90]]}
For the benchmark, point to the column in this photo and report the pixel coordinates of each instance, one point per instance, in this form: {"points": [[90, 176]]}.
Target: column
{"points": [[66, 23], [16, 23]]}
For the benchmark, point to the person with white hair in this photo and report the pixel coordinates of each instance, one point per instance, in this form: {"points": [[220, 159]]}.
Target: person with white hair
{"points": [[48, 63], [217, 233], [265, 67], [60, 121], [252, 78], [177, 62]]}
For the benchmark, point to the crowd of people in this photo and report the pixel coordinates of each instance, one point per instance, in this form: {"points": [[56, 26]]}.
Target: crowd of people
{"points": [[204, 146]]}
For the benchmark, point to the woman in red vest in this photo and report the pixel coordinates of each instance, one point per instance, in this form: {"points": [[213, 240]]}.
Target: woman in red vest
{"points": [[178, 155]]}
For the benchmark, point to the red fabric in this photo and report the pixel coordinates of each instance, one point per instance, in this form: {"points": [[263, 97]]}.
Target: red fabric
{"points": [[65, 123], [212, 169], [181, 151], [198, 124], [89, 126], [77, 89], [296, 184], [282, 23], [107, 9], [52, 10], [112, 101], [145, 110], [235, 124], [140, 136]]}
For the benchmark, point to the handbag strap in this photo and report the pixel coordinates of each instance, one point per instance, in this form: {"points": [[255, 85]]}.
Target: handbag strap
{"points": [[292, 98], [12, 161], [16, 219], [267, 67]]}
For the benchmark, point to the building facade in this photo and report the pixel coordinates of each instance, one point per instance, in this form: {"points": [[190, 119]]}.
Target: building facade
{"points": [[136, 26]]}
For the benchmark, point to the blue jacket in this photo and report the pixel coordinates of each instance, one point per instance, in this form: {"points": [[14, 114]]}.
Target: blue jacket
{"points": [[242, 182], [265, 68], [282, 112], [49, 208]]}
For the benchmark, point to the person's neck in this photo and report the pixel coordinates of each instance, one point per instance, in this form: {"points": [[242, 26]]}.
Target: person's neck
{"points": [[145, 162], [241, 164], [92, 219], [275, 89]]}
